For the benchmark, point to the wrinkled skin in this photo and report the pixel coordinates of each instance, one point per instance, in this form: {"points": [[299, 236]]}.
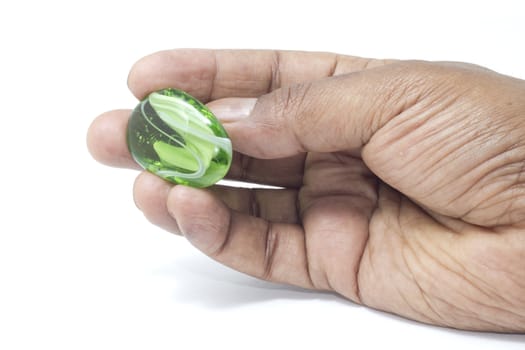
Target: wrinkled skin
{"points": [[404, 182]]}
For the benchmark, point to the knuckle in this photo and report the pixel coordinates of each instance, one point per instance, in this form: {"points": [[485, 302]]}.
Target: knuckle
{"points": [[276, 71], [290, 101], [288, 108], [283, 100], [272, 243]]}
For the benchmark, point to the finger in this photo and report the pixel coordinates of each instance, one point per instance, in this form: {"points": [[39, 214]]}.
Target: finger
{"points": [[336, 204], [213, 74], [279, 205], [267, 250], [150, 193], [332, 114], [106, 139]]}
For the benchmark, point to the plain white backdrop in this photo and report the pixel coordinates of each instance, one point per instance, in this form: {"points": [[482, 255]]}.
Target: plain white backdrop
{"points": [[80, 268]]}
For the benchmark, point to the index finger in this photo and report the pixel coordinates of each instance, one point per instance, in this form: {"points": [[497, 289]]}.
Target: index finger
{"points": [[214, 74]]}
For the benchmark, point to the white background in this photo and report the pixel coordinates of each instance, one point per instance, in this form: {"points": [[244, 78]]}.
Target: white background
{"points": [[80, 268]]}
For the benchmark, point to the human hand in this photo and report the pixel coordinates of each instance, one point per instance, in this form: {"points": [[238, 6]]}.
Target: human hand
{"points": [[404, 182]]}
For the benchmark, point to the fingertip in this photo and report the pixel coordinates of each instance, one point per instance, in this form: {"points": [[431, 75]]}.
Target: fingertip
{"points": [[94, 133], [137, 76], [202, 218], [106, 139], [184, 69], [150, 194]]}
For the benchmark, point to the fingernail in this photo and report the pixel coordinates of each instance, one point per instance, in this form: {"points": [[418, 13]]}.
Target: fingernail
{"points": [[230, 110]]}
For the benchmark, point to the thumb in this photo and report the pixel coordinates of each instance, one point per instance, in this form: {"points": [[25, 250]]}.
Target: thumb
{"points": [[332, 114]]}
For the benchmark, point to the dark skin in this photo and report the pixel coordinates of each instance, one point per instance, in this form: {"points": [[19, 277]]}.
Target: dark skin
{"points": [[404, 182]]}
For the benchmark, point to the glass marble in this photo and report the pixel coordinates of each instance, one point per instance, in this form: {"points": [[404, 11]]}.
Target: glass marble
{"points": [[174, 136]]}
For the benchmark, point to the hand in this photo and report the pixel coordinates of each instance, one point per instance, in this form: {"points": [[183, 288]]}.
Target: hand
{"points": [[404, 182]]}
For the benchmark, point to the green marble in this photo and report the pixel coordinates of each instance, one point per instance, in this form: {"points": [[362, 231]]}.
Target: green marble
{"points": [[174, 136]]}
